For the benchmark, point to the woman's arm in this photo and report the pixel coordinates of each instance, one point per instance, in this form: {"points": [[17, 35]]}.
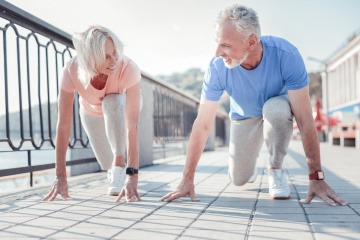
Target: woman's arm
{"points": [[132, 112], [63, 128]]}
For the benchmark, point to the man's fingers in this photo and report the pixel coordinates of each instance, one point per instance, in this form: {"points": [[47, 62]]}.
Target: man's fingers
{"points": [[308, 199], [336, 198], [331, 200], [327, 200]]}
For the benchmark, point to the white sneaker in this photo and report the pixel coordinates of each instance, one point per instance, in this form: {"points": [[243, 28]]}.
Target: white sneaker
{"points": [[253, 177], [278, 185], [109, 174], [117, 180]]}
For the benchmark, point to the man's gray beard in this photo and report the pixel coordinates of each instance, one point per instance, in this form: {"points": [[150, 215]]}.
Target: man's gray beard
{"points": [[236, 63]]}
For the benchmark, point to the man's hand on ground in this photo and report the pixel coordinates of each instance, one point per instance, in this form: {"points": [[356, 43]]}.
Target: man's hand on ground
{"points": [[320, 189]]}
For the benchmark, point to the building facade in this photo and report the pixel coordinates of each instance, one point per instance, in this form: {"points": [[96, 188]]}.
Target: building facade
{"points": [[341, 83]]}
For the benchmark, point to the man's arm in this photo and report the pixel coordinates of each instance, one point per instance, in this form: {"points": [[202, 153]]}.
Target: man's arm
{"points": [[301, 107], [201, 129]]}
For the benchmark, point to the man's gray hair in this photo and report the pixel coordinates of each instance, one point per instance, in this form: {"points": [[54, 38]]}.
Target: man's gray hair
{"points": [[90, 49], [244, 18]]}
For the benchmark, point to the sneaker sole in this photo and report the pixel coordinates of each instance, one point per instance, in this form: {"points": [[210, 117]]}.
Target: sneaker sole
{"points": [[113, 193], [280, 198]]}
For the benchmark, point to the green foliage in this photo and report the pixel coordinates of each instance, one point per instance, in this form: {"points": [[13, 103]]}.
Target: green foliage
{"points": [[190, 82]]}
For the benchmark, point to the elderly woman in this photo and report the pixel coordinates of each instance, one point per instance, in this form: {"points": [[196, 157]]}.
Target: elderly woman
{"points": [[108, 83]]}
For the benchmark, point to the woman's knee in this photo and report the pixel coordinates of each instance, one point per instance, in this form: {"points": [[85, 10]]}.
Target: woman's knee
{"points": [[105, 165], [113, 102]]}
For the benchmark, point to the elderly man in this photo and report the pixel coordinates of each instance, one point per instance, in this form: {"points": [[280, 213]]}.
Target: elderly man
{"points": [[267, 82]]}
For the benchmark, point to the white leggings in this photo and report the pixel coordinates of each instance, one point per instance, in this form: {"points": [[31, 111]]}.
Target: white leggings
{"points": [[247, 137], [107, 134]]}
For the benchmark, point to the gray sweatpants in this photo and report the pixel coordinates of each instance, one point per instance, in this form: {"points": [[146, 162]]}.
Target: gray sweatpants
{"points": [[107, 134], [247, 137]]}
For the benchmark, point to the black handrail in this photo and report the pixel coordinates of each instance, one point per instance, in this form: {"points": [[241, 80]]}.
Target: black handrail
{"points": [[28, 21]]}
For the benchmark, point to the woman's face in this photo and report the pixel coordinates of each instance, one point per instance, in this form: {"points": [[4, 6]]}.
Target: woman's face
{"points": [[111, 59]]}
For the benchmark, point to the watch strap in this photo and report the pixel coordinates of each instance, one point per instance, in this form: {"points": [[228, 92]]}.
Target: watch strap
{"points": [[131, 171], [318, 175]]}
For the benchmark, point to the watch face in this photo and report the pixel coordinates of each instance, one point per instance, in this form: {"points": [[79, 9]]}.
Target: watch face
{"points": [[130, 171], [320, 175]]}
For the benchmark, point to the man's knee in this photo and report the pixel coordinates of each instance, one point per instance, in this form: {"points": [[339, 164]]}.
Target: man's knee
{"points": [[277, 109]]}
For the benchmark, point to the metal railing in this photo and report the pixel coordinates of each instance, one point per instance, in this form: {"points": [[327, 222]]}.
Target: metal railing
{"points": [[31, 62], [32, 57], [174, 113]]}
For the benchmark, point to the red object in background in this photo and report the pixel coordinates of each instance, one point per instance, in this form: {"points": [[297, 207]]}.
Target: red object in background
{"points": [[320, 118]]}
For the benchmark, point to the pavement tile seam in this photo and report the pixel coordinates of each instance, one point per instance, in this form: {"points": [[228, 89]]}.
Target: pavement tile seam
{"points": [[166, 203], [112, 207], [253, 211], [293, 154], [202, 212], [11, 197], [308, 221], [316, 213], [73, 184], [355, 211], [41, 216], [61, 209]]}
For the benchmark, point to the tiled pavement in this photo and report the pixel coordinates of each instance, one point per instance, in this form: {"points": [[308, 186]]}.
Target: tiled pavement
{"points": [[224, 212]]}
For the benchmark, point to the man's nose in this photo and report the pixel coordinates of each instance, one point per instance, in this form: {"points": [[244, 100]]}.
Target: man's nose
{"points": [[218, 52]]}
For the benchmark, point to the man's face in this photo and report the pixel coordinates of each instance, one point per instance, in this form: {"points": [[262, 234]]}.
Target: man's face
{"points": [[232, 47]]}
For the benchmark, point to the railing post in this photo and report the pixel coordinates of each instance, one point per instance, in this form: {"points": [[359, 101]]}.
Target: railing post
{"points": [[146, 124], [29, 164]]}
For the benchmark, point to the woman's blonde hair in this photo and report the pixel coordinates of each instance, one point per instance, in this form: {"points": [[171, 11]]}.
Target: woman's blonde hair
{"points": [[90, 49]]}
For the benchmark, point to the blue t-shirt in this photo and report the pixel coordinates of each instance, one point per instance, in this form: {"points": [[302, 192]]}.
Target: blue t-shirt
{"points": [[281, 68]]}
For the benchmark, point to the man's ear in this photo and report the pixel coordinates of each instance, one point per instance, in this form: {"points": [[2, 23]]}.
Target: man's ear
{"points": [[253, 40]]}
